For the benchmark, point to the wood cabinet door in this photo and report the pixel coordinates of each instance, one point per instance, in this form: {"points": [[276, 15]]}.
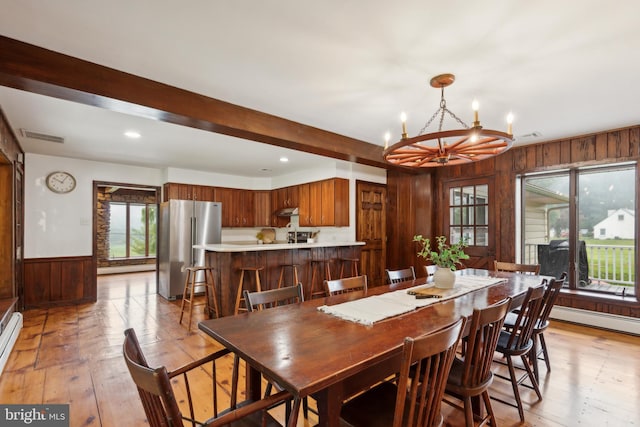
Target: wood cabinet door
{"points": [[247, 214], [262, 208], [225, 196], [317, 202], [340, 202], [304, 205]]}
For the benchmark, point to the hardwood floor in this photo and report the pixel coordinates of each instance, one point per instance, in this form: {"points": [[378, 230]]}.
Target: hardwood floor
{"points": [[74, 355]]}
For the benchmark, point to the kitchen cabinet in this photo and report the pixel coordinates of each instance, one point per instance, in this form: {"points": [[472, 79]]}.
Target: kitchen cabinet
{"points": [[173, 191], [286, 197], [262, 208], [237, 207], [324, 203]]}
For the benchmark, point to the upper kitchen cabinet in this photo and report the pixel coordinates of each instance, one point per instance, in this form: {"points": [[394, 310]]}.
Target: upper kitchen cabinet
{"points": [[262, 208], [176, 191], [237, 207], [286, 197], [324, 203]]}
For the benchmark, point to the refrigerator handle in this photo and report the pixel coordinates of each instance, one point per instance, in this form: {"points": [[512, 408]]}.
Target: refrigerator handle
{"points": [[194, 234]]}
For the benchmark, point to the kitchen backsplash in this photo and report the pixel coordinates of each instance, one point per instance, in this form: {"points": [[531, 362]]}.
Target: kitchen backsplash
{"points": [[327, 234]]}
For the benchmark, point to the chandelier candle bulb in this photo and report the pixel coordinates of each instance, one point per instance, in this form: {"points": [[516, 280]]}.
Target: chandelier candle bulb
{"points": [[475, 106], [510, 123], [387, 137], [403, 119]]}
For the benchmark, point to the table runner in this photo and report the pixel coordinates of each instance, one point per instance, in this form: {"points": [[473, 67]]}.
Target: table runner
{"points": [[370, 310]]}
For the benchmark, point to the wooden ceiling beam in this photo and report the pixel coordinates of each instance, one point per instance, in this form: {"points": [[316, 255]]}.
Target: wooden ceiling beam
{"points": [[34, 69]]}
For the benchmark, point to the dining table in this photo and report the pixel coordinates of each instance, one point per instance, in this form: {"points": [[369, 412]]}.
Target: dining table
{"points": [[309, 351]]}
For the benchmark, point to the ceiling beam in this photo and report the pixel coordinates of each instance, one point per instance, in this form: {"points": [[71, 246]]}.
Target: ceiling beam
{"points": [[38, 70]]}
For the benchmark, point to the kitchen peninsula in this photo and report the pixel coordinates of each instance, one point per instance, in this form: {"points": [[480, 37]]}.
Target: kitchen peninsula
{"points": [[228, 258]]}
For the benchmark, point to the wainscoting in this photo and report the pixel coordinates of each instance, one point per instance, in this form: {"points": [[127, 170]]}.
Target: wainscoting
{"points": [[59, 281]]}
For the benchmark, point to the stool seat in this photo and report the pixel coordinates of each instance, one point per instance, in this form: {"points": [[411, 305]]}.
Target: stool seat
{"points": [[353, 263], [188, 293], [239, 295], [283, 268]]}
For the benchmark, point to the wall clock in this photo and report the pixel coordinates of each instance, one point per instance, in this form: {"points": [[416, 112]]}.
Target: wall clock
{"points": [[61, 182]]}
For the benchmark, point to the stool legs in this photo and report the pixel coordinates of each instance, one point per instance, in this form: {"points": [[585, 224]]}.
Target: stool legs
{"points": [[187, 296], [296, 280], [354, 267], [316, 269], [239, 296], [210, 294]]}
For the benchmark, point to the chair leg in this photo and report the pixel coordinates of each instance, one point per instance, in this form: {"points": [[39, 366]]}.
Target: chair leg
{"points": [[514, 385], [489, 408], [468, 412], [545, 352], [532, 378]]}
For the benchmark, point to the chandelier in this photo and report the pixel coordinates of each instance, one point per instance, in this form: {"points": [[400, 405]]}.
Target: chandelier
{"points": [[447, 147]]}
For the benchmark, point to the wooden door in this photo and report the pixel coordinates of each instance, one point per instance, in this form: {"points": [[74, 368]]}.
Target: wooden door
{"points": [[371, 201], [467, 213]]}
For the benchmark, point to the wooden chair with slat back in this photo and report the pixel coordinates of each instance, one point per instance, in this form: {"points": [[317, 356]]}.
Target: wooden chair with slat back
{"points": [[551, 293], [516, 268], [416, 399], [159, 402], [397, 276], [518, 342], [274, 298], [471, 377], [349, 284]]}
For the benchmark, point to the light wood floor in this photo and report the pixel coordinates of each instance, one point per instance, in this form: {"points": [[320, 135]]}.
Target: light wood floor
{"points": [[73, 355]]}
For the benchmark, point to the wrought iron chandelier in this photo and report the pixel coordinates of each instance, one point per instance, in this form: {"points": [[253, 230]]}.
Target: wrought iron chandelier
{"points": [[447, 147]]}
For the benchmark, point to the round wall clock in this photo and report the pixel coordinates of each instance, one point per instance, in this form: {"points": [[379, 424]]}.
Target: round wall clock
{"points": [[61, 182]]}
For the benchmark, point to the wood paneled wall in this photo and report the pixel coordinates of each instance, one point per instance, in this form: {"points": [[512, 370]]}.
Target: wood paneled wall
{"points": [[413, 198], [59, 281]]}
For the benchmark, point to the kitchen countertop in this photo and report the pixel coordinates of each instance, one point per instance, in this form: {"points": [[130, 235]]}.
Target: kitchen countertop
{"points": [[252, 246]]}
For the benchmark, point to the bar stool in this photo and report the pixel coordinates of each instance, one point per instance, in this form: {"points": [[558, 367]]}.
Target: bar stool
{"points": [[189, 291], [283, 267], [239, 296], [318, 267], [353, 264]]}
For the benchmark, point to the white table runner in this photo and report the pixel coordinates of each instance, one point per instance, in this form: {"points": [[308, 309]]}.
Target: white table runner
{"points": [[370, 310]]}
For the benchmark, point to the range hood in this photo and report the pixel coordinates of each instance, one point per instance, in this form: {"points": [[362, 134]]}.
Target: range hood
{"points": [[287, 212]]}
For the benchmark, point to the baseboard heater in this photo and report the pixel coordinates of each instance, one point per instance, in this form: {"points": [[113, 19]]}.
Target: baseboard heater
{"points": [[9, 337], [630, 325]]}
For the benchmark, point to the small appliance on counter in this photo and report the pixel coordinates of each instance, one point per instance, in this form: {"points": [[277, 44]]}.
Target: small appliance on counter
{"points": [[298, 236]]}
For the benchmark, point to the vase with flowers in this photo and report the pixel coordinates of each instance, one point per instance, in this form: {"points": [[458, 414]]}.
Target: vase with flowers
{"points": [[446, 257]]}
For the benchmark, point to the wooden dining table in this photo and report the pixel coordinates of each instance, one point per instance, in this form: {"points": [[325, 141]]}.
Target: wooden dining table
{"points": [[312, 353]]}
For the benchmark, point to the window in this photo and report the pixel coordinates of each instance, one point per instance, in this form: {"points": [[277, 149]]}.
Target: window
{"points": [[469, 214], [600, 235], [132, 230]]}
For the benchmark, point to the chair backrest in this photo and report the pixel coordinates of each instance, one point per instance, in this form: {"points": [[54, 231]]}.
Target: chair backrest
{"points": [[396, 276], [516, 268], [154, 386], [528, 315], [273, 297], [430, 269], [549, 299], [349, 284], [432, 356], [482, 340]]}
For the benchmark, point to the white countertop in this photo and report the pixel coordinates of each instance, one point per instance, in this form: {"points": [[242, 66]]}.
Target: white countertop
{"points": [[250, 246]]}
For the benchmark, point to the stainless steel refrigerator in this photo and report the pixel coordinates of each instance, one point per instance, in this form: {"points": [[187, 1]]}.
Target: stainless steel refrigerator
{"points": [[184, 223]]}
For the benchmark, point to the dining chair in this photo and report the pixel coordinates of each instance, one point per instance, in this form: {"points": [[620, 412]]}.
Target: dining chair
{"points": [[471, 376], [396, 276], [274, 298], [156, 390], [415, 400], [516, 268], [552, 290], [518, 342], [348, 284]]}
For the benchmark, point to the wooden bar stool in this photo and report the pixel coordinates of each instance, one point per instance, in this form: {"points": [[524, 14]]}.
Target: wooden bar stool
{"points": [[319, 267], [239, 296], [189, 292], [353, 264], [283, 267]]}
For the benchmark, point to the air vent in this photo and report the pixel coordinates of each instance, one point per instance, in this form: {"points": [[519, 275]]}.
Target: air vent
{"points": [[534, 134], [41, 136]]}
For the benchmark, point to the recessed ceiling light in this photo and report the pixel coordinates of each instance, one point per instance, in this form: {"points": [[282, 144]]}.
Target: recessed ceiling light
{"points": [[132, 134], [284, 159]]}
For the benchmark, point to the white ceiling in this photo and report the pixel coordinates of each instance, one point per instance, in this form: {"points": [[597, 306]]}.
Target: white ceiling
{"points": [[350, 67]]}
